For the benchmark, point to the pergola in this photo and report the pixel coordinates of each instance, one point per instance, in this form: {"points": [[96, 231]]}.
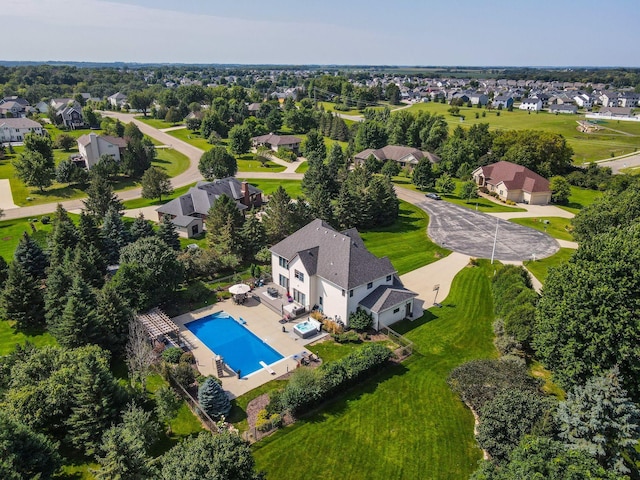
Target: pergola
{"points": [[158, 324]]}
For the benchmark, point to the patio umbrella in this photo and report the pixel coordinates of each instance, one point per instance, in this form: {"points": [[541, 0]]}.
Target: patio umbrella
{"points": [[239, 289]]}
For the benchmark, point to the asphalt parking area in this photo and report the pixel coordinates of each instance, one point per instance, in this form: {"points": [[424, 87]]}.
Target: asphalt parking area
{"points": [[472, 233]]}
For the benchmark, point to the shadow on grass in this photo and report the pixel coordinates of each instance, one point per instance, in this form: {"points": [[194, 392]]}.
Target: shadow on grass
{"points": [[406, 326], [407, 222]]}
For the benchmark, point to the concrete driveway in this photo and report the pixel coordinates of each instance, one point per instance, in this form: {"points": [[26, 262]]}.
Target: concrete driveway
{"points": [[472, 233]]}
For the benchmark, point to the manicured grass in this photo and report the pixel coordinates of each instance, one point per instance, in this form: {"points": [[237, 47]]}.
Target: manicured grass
{"points": [[171, 161], [327, 141], [540, 268], [405, 242], [9, 338], [156, 123], [405, 422], [330, 107], [248, 163], [580, 198], [146, 202], [587, 147], [558, 227], [268, 186], [192, 138], [303, 167], [11, 231], [238, 414]]}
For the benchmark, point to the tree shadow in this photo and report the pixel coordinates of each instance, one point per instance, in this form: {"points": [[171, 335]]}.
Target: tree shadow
{"points": [[406, 326]]}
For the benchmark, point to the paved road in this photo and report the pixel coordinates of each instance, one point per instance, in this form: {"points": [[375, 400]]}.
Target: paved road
{"points": [[619, 164]]}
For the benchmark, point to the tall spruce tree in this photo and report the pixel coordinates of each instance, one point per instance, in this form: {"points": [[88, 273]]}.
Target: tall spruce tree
{"points": [[89, 232], [78, 323], [113, 315], [100, 197], [223, 212], [89, 264], [141, 227], [4, 272], [213, 399], [64, 236], [277, 219], [168, 234], [55, 297], [115, 235], [253, 236], [31, 257], [21, 300]]}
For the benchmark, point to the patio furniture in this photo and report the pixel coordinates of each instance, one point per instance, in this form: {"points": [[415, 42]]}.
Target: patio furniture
{"points": [[273, 292]]}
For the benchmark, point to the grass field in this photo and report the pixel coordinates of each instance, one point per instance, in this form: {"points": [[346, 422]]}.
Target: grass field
{"points": [[303, 167], [268, 186], [330, 107], [11, 231], [580, 198], [540, 268], [558, 227], [248, 163], [404, 423], [405, 242], [9, 338], [170, 160], [587, 147], [192, 138], [156, 123]]}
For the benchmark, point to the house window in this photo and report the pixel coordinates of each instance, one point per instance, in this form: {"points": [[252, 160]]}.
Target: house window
{"points": [[396, 310], [501, 192], [388, 278], [284, 263], [343, 292], [320, 301], [299, 297], [194, 230], [283, 281], [350, 293], [299, 275], [369, 285]]}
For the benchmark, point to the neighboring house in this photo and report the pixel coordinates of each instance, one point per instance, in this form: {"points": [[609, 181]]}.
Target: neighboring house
{"points": [[614, 112], [563, 108], [478, 98], [513, 182], [506, 101], [333, 271], [253, 108], [534, 104], [188, 211], [276, 142], [609, 99], [13, 107], [14, 129], [117, 99], [405, 156], [91, 147], [583, 100], [68, 112], [626, 99], [42, 107]]}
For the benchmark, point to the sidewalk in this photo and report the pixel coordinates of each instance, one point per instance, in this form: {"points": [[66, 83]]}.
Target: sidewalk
{"points": [[6, 197]]}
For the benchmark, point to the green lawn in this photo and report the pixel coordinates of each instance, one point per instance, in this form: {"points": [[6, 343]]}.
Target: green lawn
{"points": [[156, 123], [580, 198], [587, 147], [330, 107], [11, 231], [248, 163], [268, 186], [146, 202], [404, 422], [405, 242], [540, 268], [303, 167], [192, 138], [9, 338], [558, 227]]}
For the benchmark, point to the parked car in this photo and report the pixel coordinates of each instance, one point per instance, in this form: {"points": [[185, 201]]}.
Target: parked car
{"points": [[434, 196]]}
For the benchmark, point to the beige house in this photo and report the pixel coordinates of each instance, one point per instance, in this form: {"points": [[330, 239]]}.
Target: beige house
{"points": [[514, 182], [92, 147], [405, 156], [276, 142]]}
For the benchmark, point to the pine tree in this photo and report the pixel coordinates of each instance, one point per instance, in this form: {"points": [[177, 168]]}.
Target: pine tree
{"points": [[31, 257], [601, 419], [423, 176], [100, 197], [88, 231], [113, 316], [141, 228], [320, 205], [315, 151], [64, 236], [89, 265], [253, 237], [4, 272], [277, 219], [78, 324], [21, 300], [223, 212], [55, 297], [168, 234], [384, 202], [115, 235], [213, 399]]}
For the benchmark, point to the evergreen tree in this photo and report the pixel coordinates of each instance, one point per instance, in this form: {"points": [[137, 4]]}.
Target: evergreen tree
{"points": [[213, 399], [223, 213], [64, 236], [96, 397], [31, 257], [115, 235], [384, 203], [320, 204], [100, 197], [253, 236], [167, 405], [315, 151], [113, 316], [78, 324], [89, 232], [21, 300], [337, 160], [601, 419], [89, 265], [301, 214], [4, 272], [168, 234], [423, 176], [277, 219], [141, 228], [55, 298]]}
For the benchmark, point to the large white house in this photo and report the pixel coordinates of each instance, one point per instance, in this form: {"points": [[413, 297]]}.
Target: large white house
{"points": [[91, 147], [534, 104], [319, 266], [14, 129]]}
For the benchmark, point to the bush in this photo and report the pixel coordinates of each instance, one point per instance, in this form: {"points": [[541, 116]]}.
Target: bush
{"points": [[360, 320], [188, 358], [266, 422], [330, 326], [213, 399], [183, 374], [197, 292], [45, 220], [172, 354], [286, 155], [346, 337]]}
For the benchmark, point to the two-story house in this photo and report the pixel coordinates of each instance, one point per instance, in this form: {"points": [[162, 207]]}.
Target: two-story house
{"points": [[14, 129], [91, 147], [334, 272]]}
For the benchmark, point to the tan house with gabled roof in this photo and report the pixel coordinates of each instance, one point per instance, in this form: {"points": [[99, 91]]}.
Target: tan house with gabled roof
{"points": [[405, 156], [513, 182], [276, 142]]}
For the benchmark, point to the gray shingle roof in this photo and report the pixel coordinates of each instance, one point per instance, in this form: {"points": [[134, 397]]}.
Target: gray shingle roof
{"points": [[340, 258], [396, 152], [385, 297], [277, 140], [19, 123]]}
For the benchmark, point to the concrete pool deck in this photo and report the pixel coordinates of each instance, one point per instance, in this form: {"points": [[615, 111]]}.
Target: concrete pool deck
{"points": [[263, 323]]}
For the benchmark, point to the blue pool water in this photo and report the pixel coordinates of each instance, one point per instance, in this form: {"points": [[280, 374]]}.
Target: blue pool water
{"points": [[240, 348]]}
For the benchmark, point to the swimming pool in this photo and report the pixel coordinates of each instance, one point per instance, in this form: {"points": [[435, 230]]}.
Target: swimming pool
{"points": [[241, 349]]}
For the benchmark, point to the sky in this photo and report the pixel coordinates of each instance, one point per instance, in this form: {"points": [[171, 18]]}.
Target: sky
{"points": [[330, 32]]}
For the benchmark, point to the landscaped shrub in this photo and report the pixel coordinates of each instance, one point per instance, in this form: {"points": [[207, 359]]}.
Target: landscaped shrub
{"points": [[45, 219], [188, 358], [346, 337], [331, 326], [360, 320], [172, 354], [266, 422], [286, 155], [213, 399], [183, 374]]}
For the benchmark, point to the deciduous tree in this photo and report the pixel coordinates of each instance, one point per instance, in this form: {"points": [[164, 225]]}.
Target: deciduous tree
{"points": [[217, 163], [156, 183]]}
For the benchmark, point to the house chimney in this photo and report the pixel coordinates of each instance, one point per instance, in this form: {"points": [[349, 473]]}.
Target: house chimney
{"points": [[245, 194]]}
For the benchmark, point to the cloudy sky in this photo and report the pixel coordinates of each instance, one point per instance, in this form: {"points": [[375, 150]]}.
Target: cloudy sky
{"points": [[357, 32]]}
